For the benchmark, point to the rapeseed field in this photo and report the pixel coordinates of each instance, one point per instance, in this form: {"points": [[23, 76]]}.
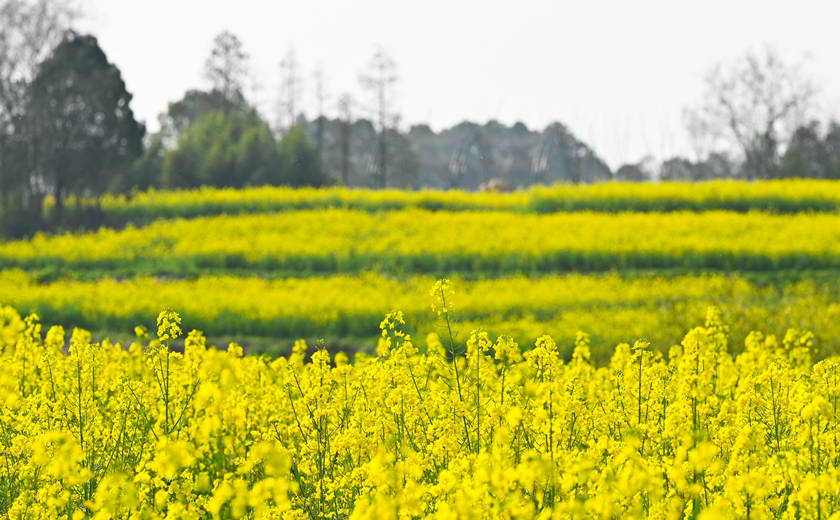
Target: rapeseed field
{"points": [[428, 428], [616, 351]]}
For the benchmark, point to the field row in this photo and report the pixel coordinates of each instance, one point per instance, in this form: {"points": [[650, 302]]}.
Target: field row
{"points": [[476, 428], [443, 243], [611, 308], [784, 196]]}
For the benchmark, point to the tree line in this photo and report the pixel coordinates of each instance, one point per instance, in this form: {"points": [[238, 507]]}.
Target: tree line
{"points": [[67, 130], [68, 133]]}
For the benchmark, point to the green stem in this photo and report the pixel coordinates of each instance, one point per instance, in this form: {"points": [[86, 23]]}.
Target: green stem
{"points": [[455, 364]]}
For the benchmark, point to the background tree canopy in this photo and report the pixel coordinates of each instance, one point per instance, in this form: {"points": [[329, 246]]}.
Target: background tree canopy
{"points": [[86, 131], [235, 149], [67, 130]]}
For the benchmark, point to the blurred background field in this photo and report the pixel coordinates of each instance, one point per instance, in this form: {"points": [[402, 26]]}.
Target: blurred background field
{"points": [[266, 266], [776, 196], [304, 182]]}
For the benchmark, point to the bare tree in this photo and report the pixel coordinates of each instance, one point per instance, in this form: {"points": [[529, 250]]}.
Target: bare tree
{"points": [[290, 88], [227, 66], [379, 79], [345, 122], [754, 105], [29, 31], [320, 121], [458, 165]]}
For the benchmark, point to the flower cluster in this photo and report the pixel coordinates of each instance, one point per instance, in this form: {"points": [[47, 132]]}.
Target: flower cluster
{"points": [[613, 308], [145, 431], [415, 240], [782, 195]]}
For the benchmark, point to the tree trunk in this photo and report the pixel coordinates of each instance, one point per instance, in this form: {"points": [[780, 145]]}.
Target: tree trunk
{"points": [[345, 152], [383, 161], [319, 137]]}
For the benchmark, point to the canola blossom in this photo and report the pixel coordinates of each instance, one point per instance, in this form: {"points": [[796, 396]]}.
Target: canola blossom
{"points": [[782, 196], [421, 241], [260, 312], [437, 428]]}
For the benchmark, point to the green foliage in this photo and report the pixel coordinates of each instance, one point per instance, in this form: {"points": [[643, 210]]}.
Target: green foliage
{"points": [[300, 160], [812, 154], [236, 149], [197, 103], [145, 172], [86, 131], [228, 149], [17, 218]]}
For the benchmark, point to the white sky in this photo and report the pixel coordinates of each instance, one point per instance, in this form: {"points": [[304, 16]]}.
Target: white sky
{"points": [[618, 73]]}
